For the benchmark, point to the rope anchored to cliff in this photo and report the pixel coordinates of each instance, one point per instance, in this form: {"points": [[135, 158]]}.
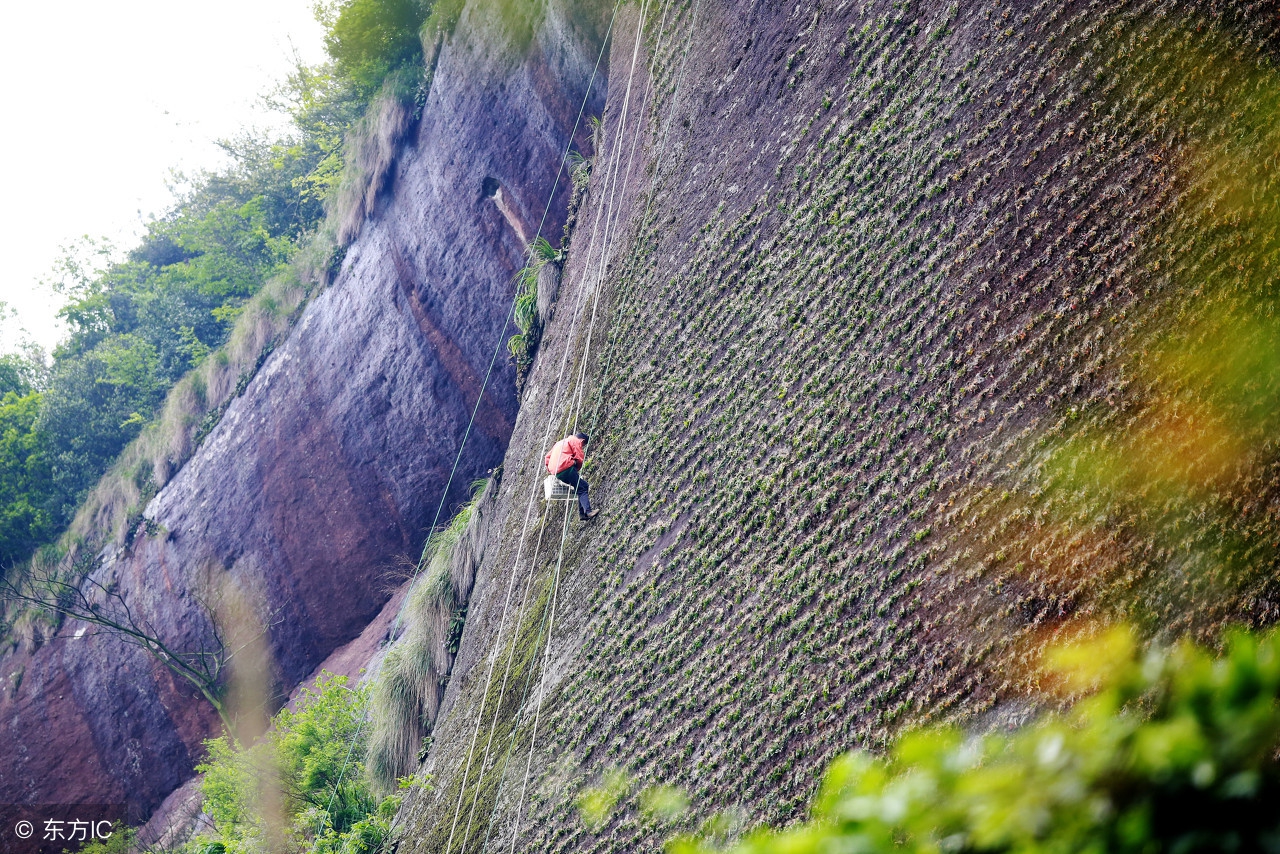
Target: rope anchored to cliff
{"points": [[564, 158], [546, 629], [609, 213]]}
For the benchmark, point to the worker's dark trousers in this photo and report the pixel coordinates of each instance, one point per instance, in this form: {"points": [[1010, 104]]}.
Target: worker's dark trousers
{"points": [[571, 477]]}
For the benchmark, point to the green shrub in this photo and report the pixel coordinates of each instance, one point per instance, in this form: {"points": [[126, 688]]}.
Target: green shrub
{"points": [[522, 345], [26, 480], [311, 764], [367, 39], [1176, 751], [121, 841]]}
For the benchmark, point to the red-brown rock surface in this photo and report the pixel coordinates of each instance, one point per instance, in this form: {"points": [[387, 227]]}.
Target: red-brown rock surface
{"points": [[331, 464]]}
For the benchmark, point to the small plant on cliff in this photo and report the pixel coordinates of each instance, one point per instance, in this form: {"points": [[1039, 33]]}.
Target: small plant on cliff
{"points": [[522, 346]]}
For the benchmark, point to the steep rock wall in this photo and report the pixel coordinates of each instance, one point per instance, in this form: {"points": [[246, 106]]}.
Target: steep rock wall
{"points": [[875, 260], [329, 468]]}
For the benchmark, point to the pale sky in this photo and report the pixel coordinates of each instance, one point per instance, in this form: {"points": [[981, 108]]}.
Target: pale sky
{"points": [[104, 99]]}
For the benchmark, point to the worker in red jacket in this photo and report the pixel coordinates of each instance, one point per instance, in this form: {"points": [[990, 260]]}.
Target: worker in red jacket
{"points": [[565, 460]]}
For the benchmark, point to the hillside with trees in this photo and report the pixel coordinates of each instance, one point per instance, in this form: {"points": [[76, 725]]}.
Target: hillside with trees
{"points": [[140, 320]]}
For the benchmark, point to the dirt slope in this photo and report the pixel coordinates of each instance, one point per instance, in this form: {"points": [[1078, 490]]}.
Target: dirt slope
{"points": [[894, 253]]}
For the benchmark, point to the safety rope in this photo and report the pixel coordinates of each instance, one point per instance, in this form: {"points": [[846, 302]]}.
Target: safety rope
{"points": [[611, 350], [471, 422], [581, 392], [609, 176], [577, 407], [548, 615], [611, 216], [515, 567], [502, 771]]}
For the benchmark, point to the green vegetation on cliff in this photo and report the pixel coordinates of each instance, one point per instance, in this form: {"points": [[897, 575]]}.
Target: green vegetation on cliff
{"points": [[971, 348], [409, 686], [299, 788]]}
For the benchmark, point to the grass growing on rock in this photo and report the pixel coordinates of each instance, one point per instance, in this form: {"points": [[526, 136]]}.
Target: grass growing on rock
{"points": [[890, 297], [408, 689]]}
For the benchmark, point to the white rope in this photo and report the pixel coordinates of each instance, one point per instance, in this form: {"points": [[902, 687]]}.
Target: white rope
{"points": [[529, 678], [605, 212], [644, 220], [595, 289], [516, 565], [467, 433], [581, 393], [609, 210]]}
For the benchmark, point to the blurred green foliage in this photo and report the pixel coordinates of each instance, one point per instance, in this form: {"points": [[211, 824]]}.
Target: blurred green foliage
{"points": [[663, 803], [1180, 458], [597, 803], [311, 762], [26, 478], [1174, 751]]}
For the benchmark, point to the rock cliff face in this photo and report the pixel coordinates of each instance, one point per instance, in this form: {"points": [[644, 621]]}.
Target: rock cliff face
{"points": [[331, 464], [847, 275], [847, 280]]}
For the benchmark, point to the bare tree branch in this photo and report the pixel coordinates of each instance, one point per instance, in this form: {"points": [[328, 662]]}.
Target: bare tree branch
{"points": [[91, 601]]}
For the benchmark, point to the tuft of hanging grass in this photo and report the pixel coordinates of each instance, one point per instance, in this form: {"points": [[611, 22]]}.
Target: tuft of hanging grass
{"points": [[408, 690]]}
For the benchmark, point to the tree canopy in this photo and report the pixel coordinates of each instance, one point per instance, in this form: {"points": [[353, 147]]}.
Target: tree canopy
{"points": [[139, 320]]}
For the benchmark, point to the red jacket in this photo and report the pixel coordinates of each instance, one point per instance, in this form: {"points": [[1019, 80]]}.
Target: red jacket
{"points": [[565, 454]]}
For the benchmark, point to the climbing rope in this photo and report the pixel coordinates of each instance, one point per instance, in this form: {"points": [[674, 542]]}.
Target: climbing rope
{"points": [[471, 422], [610, 216], [548, 613], [577, 409], [611, 351], [604, 211], [514, 574]]}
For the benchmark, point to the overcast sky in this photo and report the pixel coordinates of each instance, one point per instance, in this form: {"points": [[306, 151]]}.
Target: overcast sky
{"points": [[103, 100]]}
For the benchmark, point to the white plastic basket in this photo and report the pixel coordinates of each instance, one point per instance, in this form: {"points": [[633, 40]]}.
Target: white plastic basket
{"points": [[554, 489]]}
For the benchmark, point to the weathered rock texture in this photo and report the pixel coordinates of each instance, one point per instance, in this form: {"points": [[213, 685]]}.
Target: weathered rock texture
{"points": [[875, 262], [329, 468]]}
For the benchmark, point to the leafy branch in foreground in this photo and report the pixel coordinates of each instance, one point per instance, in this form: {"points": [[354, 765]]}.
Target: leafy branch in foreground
{"points": [[1176, 751]]}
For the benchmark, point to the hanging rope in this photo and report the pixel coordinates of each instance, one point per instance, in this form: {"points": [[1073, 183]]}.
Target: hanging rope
{"points": [[502, 771], [548, 615], [515, 570], [644, 220], [576, 410], [608, 210], [471, 422]]}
